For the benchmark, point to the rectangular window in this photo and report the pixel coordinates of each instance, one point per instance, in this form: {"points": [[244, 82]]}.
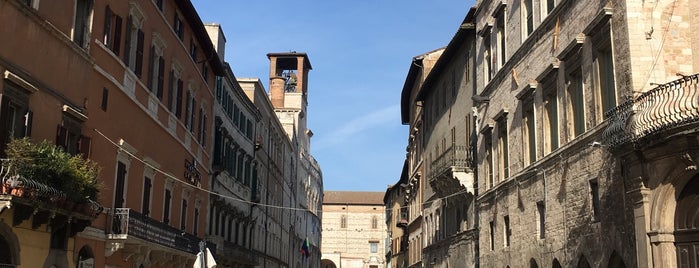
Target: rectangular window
{"points": [[547, 6], [81, 26], [343, 221], [487, 58], [15, 116], [528, 17], [133, 49], [551, 114], [374, 247], [507, 232], [374, 222], [503, 149], [112, 31], [529, 130], [120, 184], [105, 99], [594, 194], [541, 220], [501, 38], [219, 88], [147, 185], [159, 4], [576, 102], [193, 49], [492, 236], [178, 26], [604, 73], [489, 158]]}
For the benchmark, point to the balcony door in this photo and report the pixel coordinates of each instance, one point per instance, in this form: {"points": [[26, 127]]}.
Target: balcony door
{"points": [[119, 185]]}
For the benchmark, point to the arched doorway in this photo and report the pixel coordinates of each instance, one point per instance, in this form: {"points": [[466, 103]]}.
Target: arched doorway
{"points": [[532, 263], [687, 225], [556, 264], [615, 261], [9, 246], [325, 263], [86, 259], [6, 257]]}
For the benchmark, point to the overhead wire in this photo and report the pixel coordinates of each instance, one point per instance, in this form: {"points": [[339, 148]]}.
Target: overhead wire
{"points": [[191, 185], [133, 156]]}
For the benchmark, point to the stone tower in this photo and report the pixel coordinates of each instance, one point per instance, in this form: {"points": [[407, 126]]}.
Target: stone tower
{"points": [[288, 82]]}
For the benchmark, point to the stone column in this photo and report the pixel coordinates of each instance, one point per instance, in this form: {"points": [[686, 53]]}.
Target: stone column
{"points": [[641, 211]]}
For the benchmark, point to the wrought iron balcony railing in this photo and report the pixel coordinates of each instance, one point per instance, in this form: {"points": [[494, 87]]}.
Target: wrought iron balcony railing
{"points": [[665, 107], [33, 192], [126, 222], [454, 158]]}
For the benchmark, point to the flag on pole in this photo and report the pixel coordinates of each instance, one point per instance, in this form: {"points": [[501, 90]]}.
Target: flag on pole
{"points": [[305, 248], [200, 261]]}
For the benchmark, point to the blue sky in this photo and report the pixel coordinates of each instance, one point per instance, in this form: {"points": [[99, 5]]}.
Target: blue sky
{"points": [[360, 52]]}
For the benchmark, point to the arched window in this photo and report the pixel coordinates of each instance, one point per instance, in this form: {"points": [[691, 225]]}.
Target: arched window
{"points": [[532, 263]]}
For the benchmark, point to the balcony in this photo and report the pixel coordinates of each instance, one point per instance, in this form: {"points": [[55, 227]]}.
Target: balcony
{"points": [[43, 204], [451, 171], [129, 227], [658, 113]]}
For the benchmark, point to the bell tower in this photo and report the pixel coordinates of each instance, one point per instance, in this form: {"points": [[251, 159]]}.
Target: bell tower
{"points": [[288, 80], [288, 91]]}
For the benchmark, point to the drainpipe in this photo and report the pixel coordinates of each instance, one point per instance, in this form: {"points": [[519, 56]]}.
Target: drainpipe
{"points": [[474, 164]]}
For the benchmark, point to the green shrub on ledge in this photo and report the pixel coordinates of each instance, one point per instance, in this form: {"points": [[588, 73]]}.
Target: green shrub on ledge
{"points": [[47, 163]]}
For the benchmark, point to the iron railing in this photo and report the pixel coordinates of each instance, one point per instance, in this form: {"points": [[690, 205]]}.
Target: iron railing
{"points": [[454, 157], [31, 190], [667, 106], [126, 222]]}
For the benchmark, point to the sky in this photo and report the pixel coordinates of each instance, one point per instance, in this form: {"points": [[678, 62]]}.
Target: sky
{"points": [[360, 52]]}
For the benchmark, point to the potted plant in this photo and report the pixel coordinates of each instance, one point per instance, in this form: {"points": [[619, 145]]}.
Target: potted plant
{"points": [[49, 165]]}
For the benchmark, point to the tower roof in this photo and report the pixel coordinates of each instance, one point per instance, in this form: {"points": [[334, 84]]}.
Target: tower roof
{"points": [[291, 63]]}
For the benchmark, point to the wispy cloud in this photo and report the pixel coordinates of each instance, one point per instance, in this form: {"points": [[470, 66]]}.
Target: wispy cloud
{"points": [[358, 124]]}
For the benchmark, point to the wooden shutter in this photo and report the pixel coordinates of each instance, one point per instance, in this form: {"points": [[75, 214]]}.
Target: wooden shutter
{"points": [[84, 144], [151, 69], [178, 107], [116, 38], [193, 115], [127, 40], [28, 123], [187, 107], [108, 39], [62, 137], [161, 77], [139, 54]]}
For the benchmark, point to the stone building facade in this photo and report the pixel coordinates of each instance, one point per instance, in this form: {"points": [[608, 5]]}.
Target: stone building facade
{"points": [[584, 124], [412, 115], [354, 230]]}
